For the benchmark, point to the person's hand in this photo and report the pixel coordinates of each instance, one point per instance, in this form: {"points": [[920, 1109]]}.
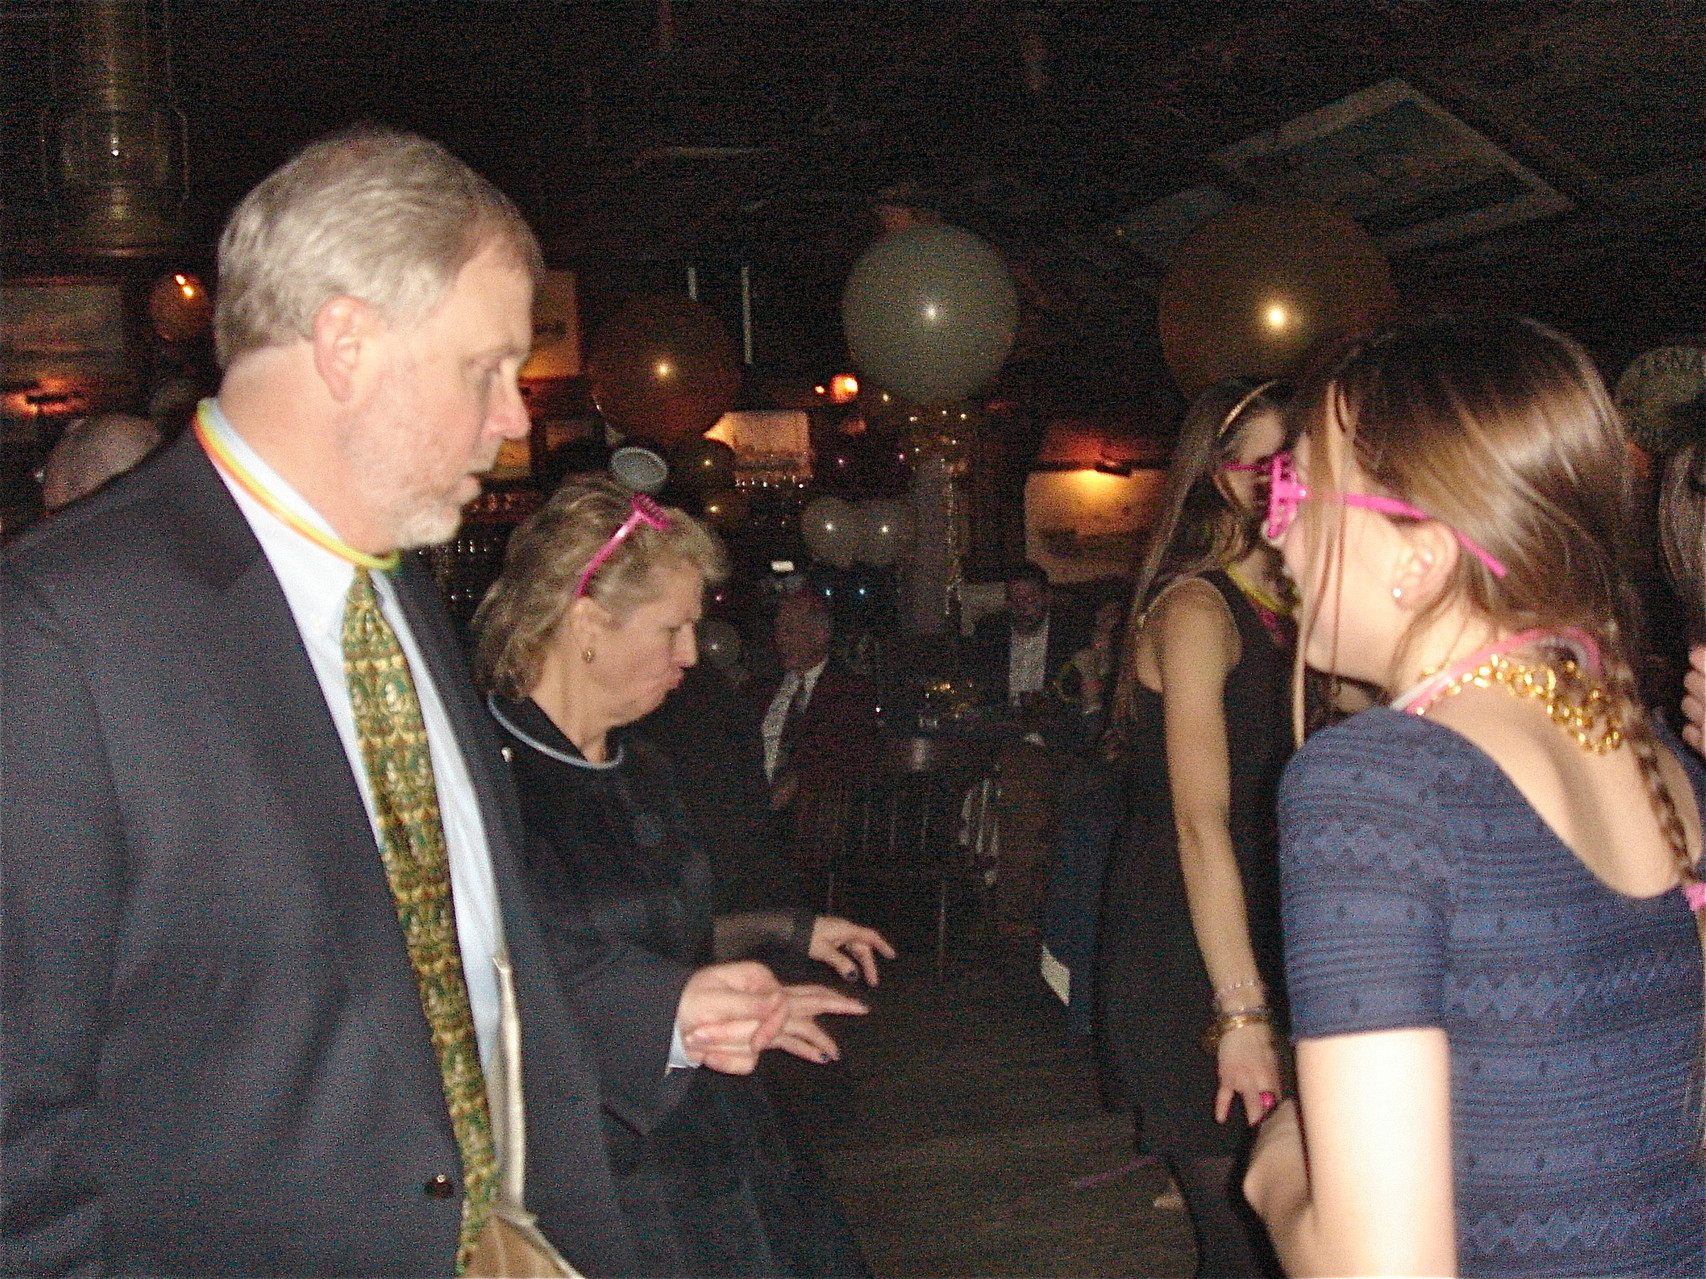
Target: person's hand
{"points": [[851, 949], [729, 1014], [1277, 1173], [1249, 1068], [801, 1035], [782, 793], [1694, 703]]}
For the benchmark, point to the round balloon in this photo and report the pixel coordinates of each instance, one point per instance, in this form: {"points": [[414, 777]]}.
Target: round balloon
{"points": [[719, 642], [887, 531], [1256, 288], [831, 529], [663, 369], [703, 465], [930, 313], [180, 307]]}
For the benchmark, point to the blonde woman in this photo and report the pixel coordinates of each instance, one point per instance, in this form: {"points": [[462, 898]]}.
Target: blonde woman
{"points": [[590, 626]]}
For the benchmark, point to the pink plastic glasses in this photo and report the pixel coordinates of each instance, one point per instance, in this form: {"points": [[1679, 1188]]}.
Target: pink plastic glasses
{"points": [[642, 511], [1285, 492]]}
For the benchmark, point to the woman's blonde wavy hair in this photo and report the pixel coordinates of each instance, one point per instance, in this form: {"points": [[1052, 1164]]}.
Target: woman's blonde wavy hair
{"points": [[521, 612]]}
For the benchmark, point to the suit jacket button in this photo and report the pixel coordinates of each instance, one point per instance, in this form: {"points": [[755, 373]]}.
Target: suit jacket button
{"points": [[439, 1187]]}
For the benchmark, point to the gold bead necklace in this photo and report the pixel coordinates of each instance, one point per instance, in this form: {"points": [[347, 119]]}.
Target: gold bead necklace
{"points": [[1578, 705]]}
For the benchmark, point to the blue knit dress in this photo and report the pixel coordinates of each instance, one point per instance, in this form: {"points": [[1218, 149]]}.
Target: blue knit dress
{"points": [[1420, 889]]}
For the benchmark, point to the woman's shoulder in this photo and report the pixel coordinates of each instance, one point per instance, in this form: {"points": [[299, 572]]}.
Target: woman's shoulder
{"points": [[1189, 610], [1381, 750]]}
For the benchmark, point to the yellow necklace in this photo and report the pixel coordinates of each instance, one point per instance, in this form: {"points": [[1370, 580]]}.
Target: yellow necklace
{"points": [[1580, 706], [1256, 593], [226, 461]]}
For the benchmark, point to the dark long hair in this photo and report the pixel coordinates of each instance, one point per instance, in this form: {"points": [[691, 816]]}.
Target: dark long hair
{"points": [[1682, 530], [1201, 526]]}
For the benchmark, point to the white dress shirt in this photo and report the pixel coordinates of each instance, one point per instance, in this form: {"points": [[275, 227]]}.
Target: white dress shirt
{"points": [[776, 717], [315, 584], [1027, 663]]}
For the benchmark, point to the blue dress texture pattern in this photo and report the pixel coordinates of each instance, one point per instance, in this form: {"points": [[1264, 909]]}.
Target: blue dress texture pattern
{"points": [[1421, 890]]}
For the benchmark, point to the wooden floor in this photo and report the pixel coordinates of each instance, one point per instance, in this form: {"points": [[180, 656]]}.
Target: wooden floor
{"points": [[964, 1133]]}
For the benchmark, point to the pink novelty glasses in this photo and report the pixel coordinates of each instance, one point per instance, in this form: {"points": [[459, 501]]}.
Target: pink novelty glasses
{"points": [[1285, 492], [642, 511]]}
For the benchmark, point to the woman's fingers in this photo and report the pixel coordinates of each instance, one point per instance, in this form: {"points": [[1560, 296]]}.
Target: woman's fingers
{"points": [[851, 949], [1257, 1103], [814, 1001], [809, 1040]]}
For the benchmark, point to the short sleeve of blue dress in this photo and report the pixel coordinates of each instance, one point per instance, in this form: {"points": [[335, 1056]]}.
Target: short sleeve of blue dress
{"points": [[1421, 890]]}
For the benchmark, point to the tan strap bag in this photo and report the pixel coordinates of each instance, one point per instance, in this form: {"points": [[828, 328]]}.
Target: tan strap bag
{"points": [[511, 1246]]}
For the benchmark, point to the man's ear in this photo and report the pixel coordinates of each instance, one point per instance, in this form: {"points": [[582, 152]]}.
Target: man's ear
{"points": [[344, 332]]}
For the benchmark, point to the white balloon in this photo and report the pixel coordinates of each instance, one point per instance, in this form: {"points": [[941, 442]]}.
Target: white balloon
{"points": [[832, 530], [887, 533]]}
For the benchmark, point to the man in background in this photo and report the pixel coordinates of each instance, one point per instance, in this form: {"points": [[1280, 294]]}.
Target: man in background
{"points": [[815, 719], [91, 451], [1015, 658], [1017, 653]]}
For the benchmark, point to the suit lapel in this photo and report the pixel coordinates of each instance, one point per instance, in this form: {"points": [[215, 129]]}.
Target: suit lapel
{"points": [[295, 761]]}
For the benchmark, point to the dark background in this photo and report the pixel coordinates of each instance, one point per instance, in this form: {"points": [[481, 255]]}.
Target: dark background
{"points": [[641, 136]]}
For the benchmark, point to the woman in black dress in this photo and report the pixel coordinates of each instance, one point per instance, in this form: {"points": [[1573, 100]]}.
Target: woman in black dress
{"points": [[589, 628], [1189, 949]]}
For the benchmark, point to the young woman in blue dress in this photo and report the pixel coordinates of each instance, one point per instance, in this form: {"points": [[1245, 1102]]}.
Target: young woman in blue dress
{"points": [[1491, 887]]}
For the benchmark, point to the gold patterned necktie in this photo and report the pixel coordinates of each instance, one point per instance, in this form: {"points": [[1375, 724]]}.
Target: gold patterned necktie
{"points": [[399, 769]]}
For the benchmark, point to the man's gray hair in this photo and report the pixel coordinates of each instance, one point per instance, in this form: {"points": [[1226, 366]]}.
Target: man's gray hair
{"points": [[370, 213]]}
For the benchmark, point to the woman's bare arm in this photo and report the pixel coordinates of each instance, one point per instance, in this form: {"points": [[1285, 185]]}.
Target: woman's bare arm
{"points": [[1364, 1185], [1196, 647]]}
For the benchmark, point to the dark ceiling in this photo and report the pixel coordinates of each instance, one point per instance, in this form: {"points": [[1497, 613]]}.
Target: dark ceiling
{"points": [[642, 135]]}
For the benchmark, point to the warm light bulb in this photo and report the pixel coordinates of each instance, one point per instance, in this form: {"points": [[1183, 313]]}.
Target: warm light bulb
{"points": [[664, 370], [1277, 316]]}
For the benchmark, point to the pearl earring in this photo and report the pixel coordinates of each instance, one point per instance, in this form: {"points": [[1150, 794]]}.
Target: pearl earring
{"points": [[1397, 594]]}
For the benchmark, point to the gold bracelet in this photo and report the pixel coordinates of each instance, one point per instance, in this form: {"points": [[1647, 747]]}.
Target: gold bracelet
{"points": [[1225, 1022]]}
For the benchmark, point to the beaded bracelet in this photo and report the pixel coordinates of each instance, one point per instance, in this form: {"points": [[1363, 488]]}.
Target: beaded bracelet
{"points": [[1225, 1022]]}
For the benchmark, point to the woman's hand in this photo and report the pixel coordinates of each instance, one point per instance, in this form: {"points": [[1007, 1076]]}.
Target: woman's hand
{"points": [[729, 1013], [1249, 1068], [801, 1035], [851, 949], [1694, 704]]}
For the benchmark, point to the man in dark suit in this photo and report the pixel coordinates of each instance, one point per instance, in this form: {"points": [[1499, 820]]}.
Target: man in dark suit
{"points": [[270, 974], [815, 720], [1015, 654]]}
